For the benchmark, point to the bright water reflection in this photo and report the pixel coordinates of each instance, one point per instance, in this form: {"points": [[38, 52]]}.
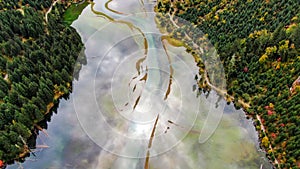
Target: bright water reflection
{"points": [[136, 104]]}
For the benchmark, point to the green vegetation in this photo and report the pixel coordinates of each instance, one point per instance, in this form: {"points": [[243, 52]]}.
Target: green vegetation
{"points": [[73, 12], [37, 61], [259, 45]]}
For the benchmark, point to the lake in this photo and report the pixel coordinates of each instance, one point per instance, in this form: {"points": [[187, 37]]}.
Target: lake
{"points": [[136, 104]]}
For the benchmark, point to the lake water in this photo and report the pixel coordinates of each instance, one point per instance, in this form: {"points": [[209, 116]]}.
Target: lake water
{"points": [[135, 104]]}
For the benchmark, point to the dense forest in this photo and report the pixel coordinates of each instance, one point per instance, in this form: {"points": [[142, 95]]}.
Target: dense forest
{"points": [[259, 46], [37, 60]]}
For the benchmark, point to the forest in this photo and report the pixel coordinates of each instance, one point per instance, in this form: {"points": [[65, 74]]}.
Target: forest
{"points": [[258, 43], [37, 61]]}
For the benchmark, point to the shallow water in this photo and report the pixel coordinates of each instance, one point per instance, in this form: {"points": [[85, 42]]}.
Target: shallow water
{"points": [[135, 104]]}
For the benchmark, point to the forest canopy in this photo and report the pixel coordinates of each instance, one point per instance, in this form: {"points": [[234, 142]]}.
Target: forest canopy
{"points": [[37, 59], [259, 45]]}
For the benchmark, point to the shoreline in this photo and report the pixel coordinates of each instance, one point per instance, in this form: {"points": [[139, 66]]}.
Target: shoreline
{"points": [[59, 92], [222, 92]]}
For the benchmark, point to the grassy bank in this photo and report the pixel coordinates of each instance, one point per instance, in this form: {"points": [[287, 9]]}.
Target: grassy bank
{"points": [[73, 12]]}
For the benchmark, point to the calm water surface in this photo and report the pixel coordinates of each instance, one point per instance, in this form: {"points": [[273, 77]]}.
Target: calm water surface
{"points": [[135, 104]]}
